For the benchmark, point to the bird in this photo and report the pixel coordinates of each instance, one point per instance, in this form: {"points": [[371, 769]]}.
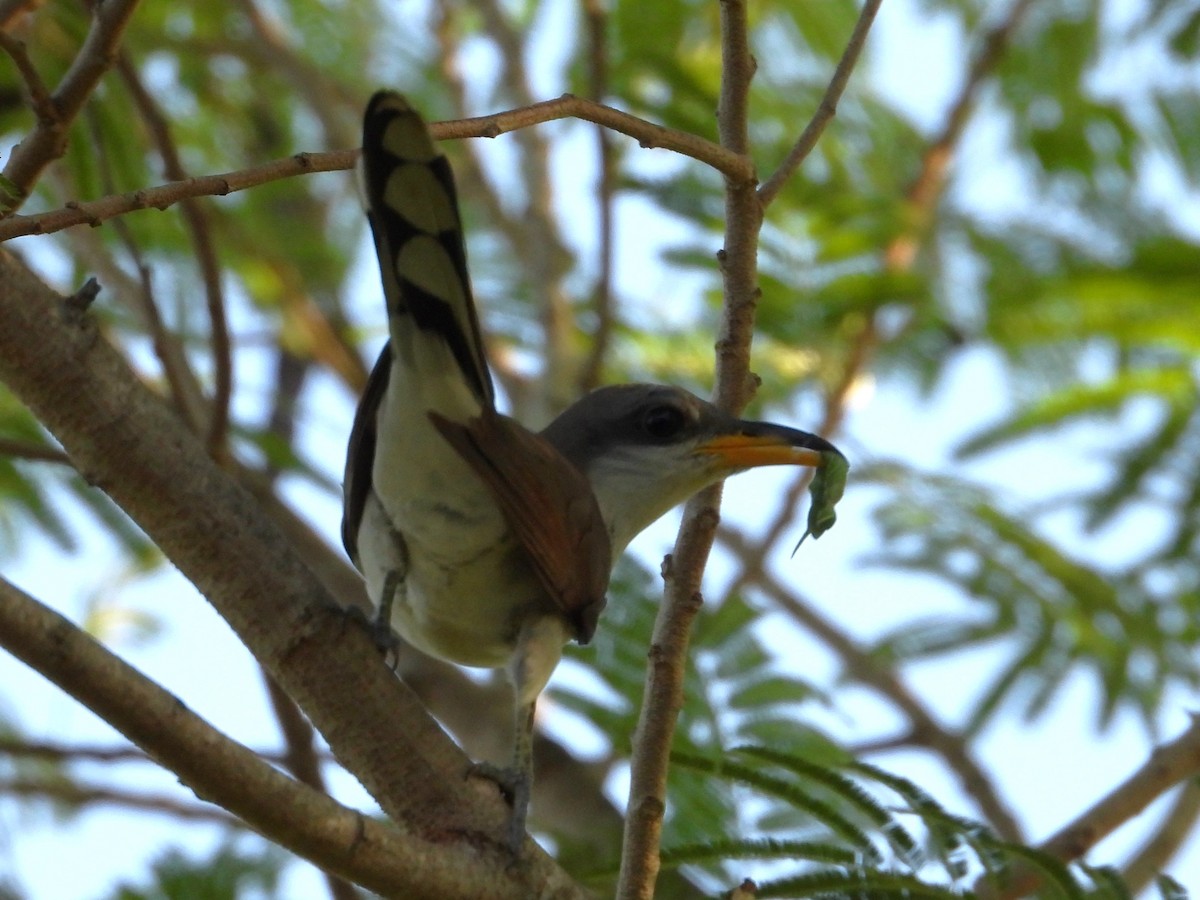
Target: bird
{"points": [[482, 542]]}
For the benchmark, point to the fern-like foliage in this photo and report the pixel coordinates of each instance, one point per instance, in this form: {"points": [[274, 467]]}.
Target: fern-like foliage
{"points": [[1133, 627]]}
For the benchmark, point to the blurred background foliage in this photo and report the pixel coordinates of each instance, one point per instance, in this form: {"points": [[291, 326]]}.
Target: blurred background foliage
{"points": [[1039, 206]]}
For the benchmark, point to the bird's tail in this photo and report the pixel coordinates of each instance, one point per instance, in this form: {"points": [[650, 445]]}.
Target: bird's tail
{"points": [[413, 210]]}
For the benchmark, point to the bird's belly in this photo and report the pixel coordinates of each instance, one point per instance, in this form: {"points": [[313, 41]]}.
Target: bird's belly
{"points": [[468, 614], [461, 599]]}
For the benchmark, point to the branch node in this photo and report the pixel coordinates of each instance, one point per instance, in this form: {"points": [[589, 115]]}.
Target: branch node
{"points": [[81, 208], [76, 304]]}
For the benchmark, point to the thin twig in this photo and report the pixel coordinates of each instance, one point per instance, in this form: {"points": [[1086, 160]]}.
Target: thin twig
{"points": [[547, 261], [181, 380], [32, 451], [898, 256], [95, 212], [1168, 765], [302, 760], [68, 753], [474, 183], [48, 140], [39, 95], [729, 163], [683, 570], [75, 795], [826, 109], [1173, 831], [270, 48], [196, 220], [596, 14]]}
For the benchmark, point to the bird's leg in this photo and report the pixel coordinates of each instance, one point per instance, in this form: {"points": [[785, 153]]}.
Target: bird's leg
{"points": [[539, 646], [515, 781], [395, 580], [381, 629]]}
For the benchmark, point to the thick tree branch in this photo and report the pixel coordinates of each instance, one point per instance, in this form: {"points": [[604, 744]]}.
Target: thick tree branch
{"points": [[48, 139], [221, 770], [826, 109], [123, 439]]}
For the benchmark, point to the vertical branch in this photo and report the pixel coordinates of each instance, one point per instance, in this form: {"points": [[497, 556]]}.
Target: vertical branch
{"points": [[548, 261], [899, 255], [684, 568], [206, 255], [602, 294], [185, 392]]}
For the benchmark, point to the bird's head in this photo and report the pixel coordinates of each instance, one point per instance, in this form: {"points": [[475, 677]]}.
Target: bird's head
{"points": [[646, 448]]}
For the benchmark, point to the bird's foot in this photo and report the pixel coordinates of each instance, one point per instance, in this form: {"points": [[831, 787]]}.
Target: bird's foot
{"points": [[385, 639], [515, 784]]}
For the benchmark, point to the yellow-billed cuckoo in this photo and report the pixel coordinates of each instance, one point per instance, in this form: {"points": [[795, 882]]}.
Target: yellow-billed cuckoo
{"points": [[481, 542]]}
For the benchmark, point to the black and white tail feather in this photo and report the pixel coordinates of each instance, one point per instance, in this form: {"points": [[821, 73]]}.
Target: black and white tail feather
{"points": [[412, 206]]}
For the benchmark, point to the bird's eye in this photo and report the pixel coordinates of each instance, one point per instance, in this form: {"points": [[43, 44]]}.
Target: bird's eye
{"points": [[663, 422]]}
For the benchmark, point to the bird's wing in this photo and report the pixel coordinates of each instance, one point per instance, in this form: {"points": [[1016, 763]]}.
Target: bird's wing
{"points": [[548, 504], [413, 210], [360, 454]]}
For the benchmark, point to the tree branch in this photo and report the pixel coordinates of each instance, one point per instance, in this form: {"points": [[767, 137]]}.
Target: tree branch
{"points": [[33, 451], [39, 95], [300, 758], [48, 139], [1160, 848], [124, 439], [602, 293], [95, 212], [1168, 765], [77, 796], [826, 109], [898, 255], [11, 9], [221, 770], [683, 570], [196, 221]]}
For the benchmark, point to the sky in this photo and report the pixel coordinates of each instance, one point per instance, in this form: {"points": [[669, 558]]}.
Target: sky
{"points": [[1050, 771]]}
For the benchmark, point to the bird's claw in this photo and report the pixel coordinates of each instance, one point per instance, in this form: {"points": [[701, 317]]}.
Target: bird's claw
{"points": [[515, 784], [385, 639]]}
